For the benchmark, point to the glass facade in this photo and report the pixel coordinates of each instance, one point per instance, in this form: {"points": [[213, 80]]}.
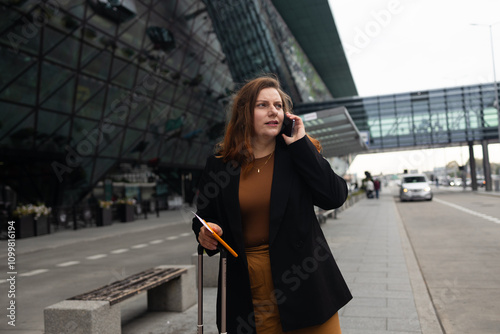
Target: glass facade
{"points": [[85, 86], [433, 118], [256, 40], [91, 85]]}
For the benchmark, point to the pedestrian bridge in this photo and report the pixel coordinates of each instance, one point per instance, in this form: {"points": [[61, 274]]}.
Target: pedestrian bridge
{"points": [[427, 119]]}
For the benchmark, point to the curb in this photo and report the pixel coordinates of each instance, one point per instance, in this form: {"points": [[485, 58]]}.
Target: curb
{"points": [[429, 321]]}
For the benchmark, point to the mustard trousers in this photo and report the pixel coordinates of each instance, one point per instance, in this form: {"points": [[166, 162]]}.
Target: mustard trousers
{"points": [[267, 317]]}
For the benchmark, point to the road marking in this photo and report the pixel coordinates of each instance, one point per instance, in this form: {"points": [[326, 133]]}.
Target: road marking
{"points": [[185, 235], [119, 251], [34, 272], [474, 213], [2, 281], [68, 264], [139, 246], [173, 238], [154, 242], [96, 257]]}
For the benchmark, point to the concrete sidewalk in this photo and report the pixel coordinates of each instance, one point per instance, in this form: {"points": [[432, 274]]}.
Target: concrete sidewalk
{"points": [[373, 252], [376, 258]]}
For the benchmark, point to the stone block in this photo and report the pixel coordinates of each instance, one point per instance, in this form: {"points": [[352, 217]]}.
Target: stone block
{"points": [[82, 317], [177, 295]]}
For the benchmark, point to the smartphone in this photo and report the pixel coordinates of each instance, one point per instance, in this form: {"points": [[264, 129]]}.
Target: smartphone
{"points": [[288, 126]]}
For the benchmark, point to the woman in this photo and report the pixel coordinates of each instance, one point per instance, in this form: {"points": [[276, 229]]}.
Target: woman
{"points": [[258, 193]]}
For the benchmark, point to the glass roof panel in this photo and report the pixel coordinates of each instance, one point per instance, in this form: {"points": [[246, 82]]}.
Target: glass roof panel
{"points": [[131, 144], [12, 65], [53, 78], [48, 136], [23, 89], [11, 115], [102, 166], [112, 142], [335, 130], [22, 136], [62, 99], [99, 66]]}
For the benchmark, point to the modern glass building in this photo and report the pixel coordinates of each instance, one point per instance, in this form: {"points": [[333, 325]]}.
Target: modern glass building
{"points": [[88, 84], [95, 89]]}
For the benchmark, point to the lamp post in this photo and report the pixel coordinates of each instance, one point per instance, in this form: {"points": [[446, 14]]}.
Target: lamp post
{"points": [[486, 159], [495, 104]]}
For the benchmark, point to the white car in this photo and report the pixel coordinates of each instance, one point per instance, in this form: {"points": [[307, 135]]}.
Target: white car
{"points": [[456, 182], [414, 186]]}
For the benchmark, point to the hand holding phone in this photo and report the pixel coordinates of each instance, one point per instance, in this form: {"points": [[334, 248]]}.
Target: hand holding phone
{"points": [[293, 128], [288, 126]]}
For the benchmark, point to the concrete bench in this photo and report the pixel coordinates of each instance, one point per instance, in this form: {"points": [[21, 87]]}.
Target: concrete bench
{"points": [[169, 288], [322, 215], [210, 269]]}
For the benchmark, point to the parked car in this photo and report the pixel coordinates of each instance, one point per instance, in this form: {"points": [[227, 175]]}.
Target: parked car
{"points": [[414, 186]]}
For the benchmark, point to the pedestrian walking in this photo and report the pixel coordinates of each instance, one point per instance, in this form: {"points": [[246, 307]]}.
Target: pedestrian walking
{"points": [[370, 188], [376, 187]]}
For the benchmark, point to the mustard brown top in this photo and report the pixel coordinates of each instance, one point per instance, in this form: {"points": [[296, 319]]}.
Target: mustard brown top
{"points": [[255, 199]]}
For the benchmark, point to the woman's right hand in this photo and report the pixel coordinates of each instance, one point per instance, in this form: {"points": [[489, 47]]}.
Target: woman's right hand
{"points": [[205, 237]]}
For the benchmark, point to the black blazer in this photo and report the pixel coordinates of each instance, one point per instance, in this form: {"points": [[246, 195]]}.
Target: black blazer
{"points": [[309, 287]]}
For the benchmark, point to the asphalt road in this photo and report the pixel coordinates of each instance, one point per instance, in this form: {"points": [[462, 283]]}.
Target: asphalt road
{"points": [[456, 240], [52, 275]]}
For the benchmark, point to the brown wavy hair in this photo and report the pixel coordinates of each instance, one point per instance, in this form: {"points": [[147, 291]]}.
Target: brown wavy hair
{"points": [[236, 145]]}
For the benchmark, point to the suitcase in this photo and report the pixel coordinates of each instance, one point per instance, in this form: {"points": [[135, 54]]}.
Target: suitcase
{"points": [[223, 257]]}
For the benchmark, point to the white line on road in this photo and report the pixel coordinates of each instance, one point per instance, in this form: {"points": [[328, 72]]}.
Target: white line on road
{"points": [[475, 213], [34, 272], [67, 264], [139, 246], [96, 257], [185, 234], [154, 242], [119, 251], [173, 238]]}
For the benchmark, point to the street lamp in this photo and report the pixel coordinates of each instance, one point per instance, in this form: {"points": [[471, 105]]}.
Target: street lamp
{"points": [[486, 162], [495, 104]]}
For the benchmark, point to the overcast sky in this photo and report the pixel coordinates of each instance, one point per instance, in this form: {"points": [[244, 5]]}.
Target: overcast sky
{"points": [[409, 45], [396, 46]]}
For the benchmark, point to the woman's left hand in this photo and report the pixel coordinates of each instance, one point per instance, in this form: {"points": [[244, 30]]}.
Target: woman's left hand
{"points": [[299, 131]]}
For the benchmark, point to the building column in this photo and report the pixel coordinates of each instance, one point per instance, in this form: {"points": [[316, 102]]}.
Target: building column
{"points": [[486, 165], [472, 165]]}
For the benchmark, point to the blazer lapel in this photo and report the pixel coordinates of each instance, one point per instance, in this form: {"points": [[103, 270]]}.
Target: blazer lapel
{"points": [[281, 187], [232, 209]]}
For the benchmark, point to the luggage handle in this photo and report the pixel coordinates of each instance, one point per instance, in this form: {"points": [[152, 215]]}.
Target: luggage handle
{"points": [[200, 289], [223, 258]]}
